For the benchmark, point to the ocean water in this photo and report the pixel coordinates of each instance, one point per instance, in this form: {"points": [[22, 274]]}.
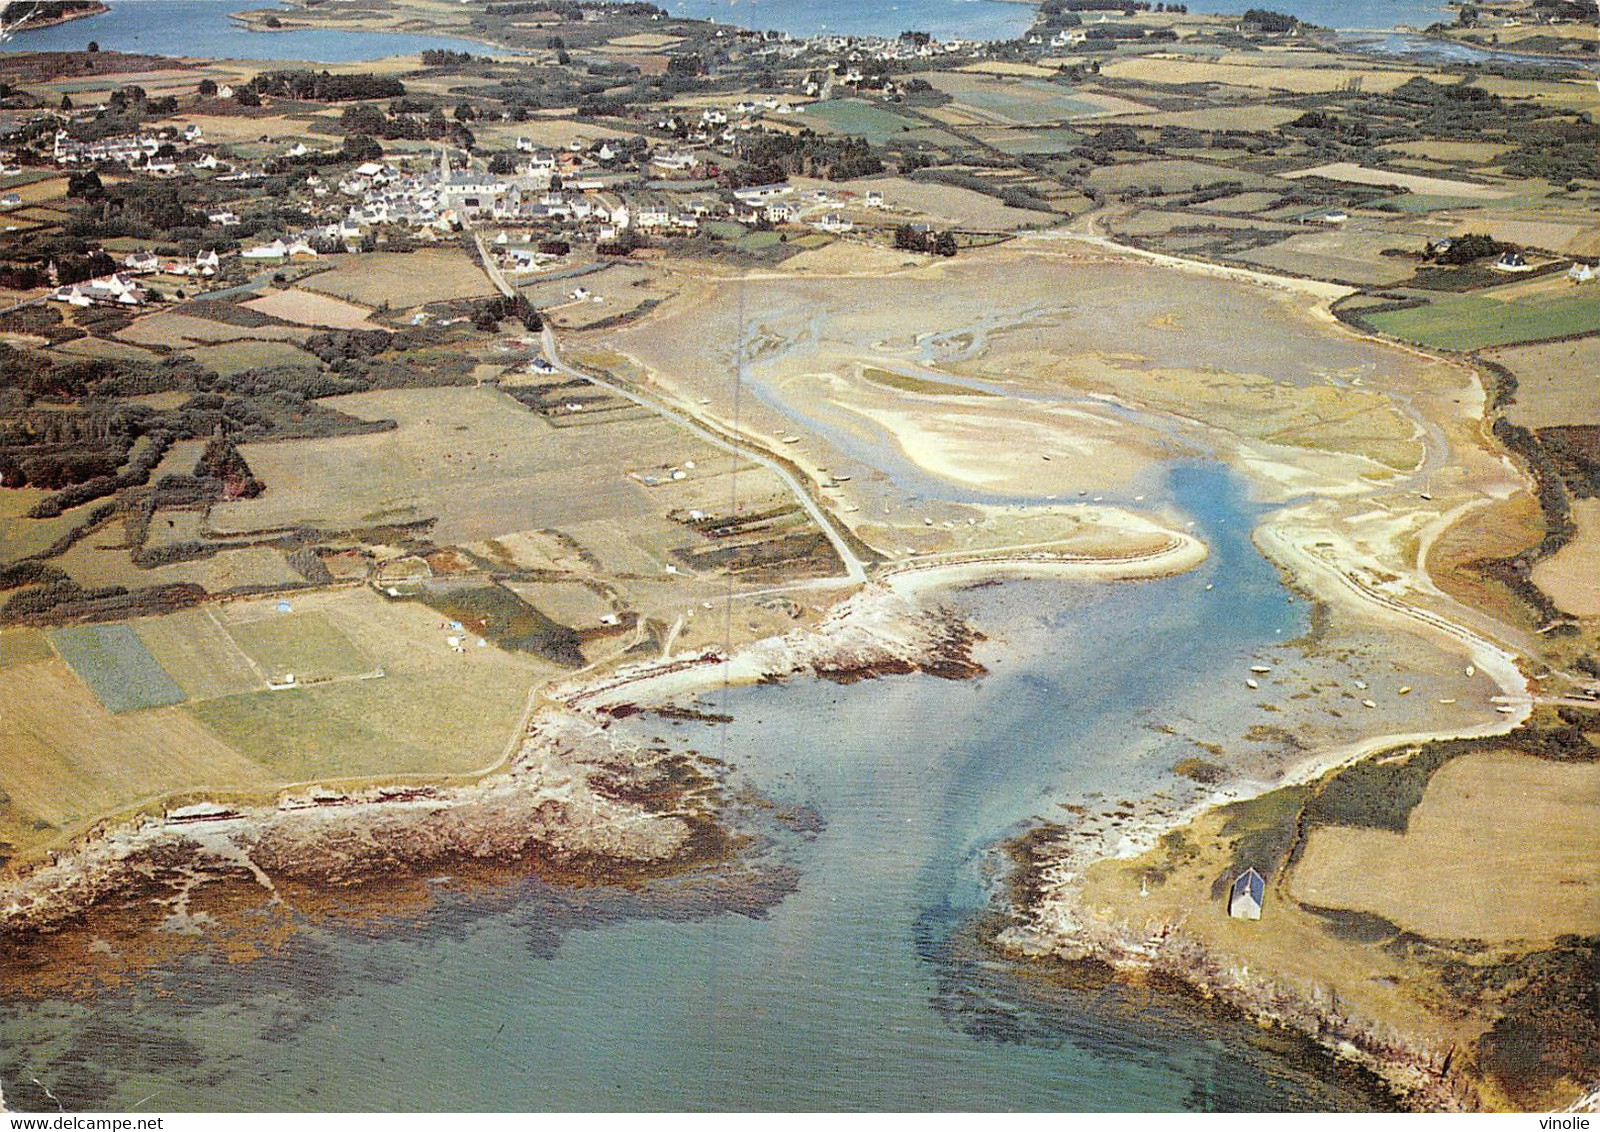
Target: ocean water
{"points": [[854, 982], [1004, 19], [202, 28]]}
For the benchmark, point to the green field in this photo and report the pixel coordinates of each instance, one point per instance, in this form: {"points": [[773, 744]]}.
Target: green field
{"points": [[755, 241], [1027, 102], [114, 663], [236, 357], [861, 119], [724, 229], [1049, 139], [402, 723], [1470, 322], [306, 646]]}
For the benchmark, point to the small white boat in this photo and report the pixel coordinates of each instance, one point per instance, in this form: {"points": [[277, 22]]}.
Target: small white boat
{"points": [[1251, 684], [1450, 700], [1405, 689], [1471, 670], [1368, 703], [1362, 684], [1260, 668], [1505, 709]]}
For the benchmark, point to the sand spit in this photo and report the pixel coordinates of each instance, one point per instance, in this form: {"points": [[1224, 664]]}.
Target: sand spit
{"points": [[1052, 923], [876, 631]]}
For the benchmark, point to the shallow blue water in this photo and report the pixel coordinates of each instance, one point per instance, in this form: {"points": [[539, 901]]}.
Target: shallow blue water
{"points": [[202, 28], [854, 983]]}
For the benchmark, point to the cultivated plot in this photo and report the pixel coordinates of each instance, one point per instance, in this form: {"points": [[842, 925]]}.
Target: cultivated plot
{"points": [[114, 663]]}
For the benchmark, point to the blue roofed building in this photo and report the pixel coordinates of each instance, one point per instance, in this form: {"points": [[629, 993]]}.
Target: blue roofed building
{"points": [[1247, 895]]}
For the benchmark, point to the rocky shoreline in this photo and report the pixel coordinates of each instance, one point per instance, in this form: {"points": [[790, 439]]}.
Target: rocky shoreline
{"points": [[575, 799], [1420, 1079]]}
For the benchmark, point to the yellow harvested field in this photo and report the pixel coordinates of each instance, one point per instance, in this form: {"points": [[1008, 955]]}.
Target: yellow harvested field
{"points": [[1571, 577], [472, 457], [226, 128], [21, 537], [102, 559], [1501, 847], [37, 192], [1003, 67], [23, 646], [1571, 235], [311, 309], [947, 204], [1265, 75], [547, 133], [1250, 117], [402, 279], [1414, 182], [67, 760], [1436, 149], [174, 329], [1555, 382], [1554, 94], [645, 40]]}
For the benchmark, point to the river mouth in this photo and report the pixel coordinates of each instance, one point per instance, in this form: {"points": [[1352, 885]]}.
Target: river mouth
{"points": [[843, 965]]}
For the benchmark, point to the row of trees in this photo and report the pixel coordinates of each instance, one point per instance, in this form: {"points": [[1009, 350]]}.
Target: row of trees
{"points": [[774, 157], [909, 239], [322, 86]]}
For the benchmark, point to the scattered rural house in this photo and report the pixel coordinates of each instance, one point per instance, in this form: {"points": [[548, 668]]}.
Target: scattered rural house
{"points": [[1580, 273], [11, 200], [298, 149], [833, 222], [1512, 262], [109, 290], [207, 262], [142, 263], [754, 194], [1248, 894], [223, 218], [1335, 216], [874, 199], [281, 249]]}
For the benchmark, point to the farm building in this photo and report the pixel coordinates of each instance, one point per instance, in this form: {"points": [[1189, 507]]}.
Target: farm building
{"points": [[1247, 895]]}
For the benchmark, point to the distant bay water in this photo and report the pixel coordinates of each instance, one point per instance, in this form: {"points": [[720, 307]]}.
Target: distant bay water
{"points": [[1007, 19], [202, 27]]}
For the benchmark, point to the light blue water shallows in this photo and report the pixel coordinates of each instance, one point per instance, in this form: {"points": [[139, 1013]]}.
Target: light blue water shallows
{"points": [[860, 989], [202, 28]]}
